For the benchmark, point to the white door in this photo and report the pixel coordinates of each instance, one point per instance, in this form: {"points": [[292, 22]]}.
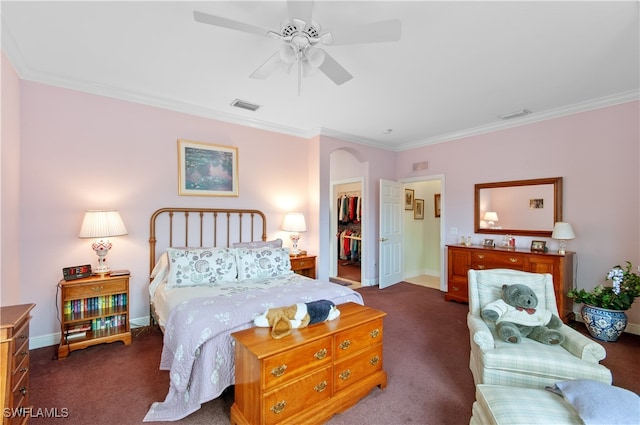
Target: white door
{"points": [[390, 267]]}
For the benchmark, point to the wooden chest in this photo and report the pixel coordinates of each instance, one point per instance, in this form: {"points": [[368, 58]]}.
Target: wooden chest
{"points": [[308, 376]]}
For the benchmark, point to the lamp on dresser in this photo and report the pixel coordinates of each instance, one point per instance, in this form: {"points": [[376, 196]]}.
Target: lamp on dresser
{"points": [[563, 232], [294, 223], [491, 217], [101, 225]]}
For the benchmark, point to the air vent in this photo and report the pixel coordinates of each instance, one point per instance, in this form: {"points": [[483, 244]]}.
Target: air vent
{"points": [[516, 114], [245, 105]]}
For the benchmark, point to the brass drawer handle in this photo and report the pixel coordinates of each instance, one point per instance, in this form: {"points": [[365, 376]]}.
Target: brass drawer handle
{"points": [[24, 353], [302, 263], [345, 344], [481, 267], [23, 336], [279, 371], [374, 360], [321, 354], [374, 333], [321, 387], [513, 260], [456, 288], [279, 407], [24, 369], [23, 390], [481, 256], [97, 288], [345, 375]]}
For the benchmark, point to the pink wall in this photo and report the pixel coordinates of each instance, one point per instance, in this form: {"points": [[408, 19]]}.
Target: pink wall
{"points": [[10, 187], [81, 151], [596, 152]]}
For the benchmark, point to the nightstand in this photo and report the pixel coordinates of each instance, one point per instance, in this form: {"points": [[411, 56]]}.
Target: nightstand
{"points": [[304, 265], [93, 310]]}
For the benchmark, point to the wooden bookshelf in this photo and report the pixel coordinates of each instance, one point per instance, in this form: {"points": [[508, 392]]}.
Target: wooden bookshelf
{"points": [[93, 310]]}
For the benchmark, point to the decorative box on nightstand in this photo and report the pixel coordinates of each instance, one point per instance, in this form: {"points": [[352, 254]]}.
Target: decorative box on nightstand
{"points": [[304, 264]]}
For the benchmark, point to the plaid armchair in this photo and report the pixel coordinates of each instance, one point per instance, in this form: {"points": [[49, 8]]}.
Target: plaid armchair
{"points": [[530, 363]]}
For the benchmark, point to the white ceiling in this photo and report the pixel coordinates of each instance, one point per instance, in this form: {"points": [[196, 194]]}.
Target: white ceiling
{"points": [[456, 69]]}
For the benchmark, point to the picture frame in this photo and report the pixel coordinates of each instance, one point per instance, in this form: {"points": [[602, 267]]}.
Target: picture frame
{"points": [[206, 169], [538, 246], [488, 243], [436, 204], [408, 199], [418, 211]]}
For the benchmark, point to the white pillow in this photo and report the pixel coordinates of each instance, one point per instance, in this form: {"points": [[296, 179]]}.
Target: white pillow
{"points": [[201, 266], [262, 262]]}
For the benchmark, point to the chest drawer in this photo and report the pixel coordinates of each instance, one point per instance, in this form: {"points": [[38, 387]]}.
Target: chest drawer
{"points": [[351, 370], [92, 289], [353, 340], [292, 398], [296, 362], [493, 260]]}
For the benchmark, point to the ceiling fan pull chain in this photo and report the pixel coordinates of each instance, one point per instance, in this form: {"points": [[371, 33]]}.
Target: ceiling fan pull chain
{"points": [[299, 73]]}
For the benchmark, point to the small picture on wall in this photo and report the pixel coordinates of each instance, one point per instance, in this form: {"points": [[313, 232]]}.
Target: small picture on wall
{"points": [[418, 212], [408, 199], [488, 243], [207, 170], [538, 246], [436, 203], [535, 204]]}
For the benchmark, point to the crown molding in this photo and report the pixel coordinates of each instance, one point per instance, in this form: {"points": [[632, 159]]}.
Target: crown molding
{"points": [[14, 54]]}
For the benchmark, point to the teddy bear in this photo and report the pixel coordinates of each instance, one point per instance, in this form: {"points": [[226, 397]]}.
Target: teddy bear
{"points": [[516, 317], [283, 319]]}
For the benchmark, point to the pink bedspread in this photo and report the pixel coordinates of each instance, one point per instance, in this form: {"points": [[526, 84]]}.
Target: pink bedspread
{"points": [[198, 347]]}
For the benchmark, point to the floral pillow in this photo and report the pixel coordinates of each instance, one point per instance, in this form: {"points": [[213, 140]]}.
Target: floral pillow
{"points": [[262, 262], [201, 266]]}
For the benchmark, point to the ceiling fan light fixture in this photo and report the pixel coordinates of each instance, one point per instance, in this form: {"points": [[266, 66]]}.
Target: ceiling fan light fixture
{"points": [[243, 104], [315, 57]]}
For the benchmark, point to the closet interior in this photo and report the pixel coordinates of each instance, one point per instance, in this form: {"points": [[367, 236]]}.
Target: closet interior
{"points": [[349, 237]]}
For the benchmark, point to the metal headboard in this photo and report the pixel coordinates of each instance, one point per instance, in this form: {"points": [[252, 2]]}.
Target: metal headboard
{"points": [[203, 227]]}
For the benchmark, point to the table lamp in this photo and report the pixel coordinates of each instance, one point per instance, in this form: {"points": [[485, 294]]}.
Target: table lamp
{"points": [[101, 225], [562, 231], [491, 217], [294, 223]]}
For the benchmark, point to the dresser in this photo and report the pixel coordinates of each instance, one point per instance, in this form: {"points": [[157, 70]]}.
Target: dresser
{"points": [[14, 362], [462, 258], [311, 374]]}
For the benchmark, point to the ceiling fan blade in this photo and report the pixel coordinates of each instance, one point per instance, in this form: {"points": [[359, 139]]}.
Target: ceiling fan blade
{"points": [[219, 21], [301, 10], [267, 68], [375, 32], [332, 69]]}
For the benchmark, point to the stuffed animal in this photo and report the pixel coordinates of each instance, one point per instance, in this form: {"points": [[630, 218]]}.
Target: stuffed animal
{"points": [[283, 319], [516, 317]]}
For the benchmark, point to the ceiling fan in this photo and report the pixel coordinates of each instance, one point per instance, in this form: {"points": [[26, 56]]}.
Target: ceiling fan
{"points": [[301, 37]]}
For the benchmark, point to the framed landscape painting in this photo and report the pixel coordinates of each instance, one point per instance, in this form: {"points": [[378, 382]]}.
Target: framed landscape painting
{"points": [[207, 170]]}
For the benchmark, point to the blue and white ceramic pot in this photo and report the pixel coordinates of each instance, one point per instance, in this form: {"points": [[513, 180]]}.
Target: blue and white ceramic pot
{"points": [[604, 324]]}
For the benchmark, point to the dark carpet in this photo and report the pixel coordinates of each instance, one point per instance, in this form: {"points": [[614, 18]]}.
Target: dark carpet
{"points": [[426, 355]]}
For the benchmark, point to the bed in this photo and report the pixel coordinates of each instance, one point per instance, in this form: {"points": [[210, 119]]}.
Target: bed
{"points": [[212, 272]]}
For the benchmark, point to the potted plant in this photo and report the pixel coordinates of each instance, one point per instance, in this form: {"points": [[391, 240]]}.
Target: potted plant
{"points": [[603, 310]]}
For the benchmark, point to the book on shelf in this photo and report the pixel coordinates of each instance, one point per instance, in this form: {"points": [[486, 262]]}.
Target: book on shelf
{"points": [[75, 335]]}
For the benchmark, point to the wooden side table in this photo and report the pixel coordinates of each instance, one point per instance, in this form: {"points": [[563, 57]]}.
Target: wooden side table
{"points": [[304, 265]]}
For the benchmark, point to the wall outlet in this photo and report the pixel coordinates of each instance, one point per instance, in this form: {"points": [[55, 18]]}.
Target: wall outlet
{"points": [[454, 230]]}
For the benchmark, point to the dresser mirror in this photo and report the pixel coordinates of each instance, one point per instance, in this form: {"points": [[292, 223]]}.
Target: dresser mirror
{"points": [[518, 207]]}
